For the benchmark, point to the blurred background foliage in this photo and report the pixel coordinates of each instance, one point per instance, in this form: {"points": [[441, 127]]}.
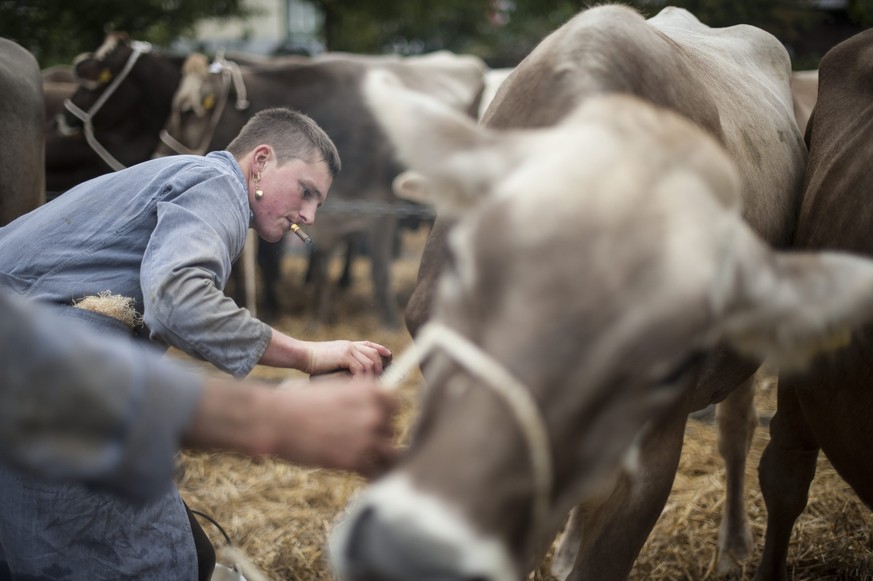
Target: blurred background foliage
{"points": [[55, 32], [502, 32]]}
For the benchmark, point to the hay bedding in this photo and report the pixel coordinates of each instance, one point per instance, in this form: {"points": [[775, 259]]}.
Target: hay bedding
{"points": [[279, 515]]}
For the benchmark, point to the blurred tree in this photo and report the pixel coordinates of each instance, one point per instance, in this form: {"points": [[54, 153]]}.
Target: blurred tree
{"points": [[504, 31], [861, 11], [55, 32], [500, 31], [410, 26]]}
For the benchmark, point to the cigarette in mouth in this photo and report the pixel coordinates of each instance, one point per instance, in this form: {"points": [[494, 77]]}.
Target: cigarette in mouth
{"points": [[301, 234]]}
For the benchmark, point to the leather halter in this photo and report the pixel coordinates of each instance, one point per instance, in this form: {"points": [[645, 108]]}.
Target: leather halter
{"points": [[230, 74], [495, 376], [139, 48]]}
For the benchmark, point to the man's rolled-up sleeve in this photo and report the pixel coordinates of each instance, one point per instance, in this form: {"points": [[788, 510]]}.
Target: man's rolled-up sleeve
{"points": [[185, 267]]}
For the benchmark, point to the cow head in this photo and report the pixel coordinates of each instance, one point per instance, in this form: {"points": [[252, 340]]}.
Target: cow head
{"points": [[95, 72], [197, 106], [122, 100], [592, 264]]}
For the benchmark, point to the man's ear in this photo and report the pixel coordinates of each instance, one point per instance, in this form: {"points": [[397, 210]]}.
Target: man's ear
{"points": [[261, 155]]}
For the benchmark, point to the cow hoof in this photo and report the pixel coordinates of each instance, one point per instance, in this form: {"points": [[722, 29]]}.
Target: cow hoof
{"points": [[732, 552]]}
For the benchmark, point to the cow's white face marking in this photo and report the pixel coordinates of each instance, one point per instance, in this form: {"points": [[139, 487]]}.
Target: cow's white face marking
{"points": [[398, 503], [107, 47]]}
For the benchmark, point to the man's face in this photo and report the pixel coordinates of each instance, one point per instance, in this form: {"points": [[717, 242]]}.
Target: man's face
{"points": [[293, 192]]}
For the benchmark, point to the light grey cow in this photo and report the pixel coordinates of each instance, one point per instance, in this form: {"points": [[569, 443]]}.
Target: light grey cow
{"points": [[671, 270], [537, 391], [581, 303]]}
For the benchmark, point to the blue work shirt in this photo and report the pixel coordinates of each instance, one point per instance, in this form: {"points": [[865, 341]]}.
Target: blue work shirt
{"points": [[164, 232]]}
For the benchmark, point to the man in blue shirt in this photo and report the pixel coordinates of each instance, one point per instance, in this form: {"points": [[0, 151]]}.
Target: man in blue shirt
{"points": [[81, 406], [163, 233]]}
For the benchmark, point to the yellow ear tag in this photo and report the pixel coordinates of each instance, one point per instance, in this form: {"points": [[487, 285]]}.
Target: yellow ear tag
{"points": [[208, 102], [105, 76]]}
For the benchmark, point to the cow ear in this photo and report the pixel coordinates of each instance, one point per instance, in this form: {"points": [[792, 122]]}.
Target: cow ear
{"points": [[454, 160], [413, 186], [787, 307]]}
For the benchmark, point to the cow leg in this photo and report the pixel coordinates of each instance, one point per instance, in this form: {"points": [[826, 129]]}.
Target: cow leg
{"points": [[353, 250], [610, 535], [270, 260], [737, 418], [381, 258], [322, 288], [786, 471]]}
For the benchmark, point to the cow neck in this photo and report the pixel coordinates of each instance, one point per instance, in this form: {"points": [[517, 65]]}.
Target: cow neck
{"points": [[138, 48], [496, 377], [230, 74]]}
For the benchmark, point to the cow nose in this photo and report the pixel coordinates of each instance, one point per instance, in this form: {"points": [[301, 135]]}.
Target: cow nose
{"points": [[380, 551]]}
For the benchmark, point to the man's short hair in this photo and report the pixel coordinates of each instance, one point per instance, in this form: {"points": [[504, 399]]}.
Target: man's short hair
{"points": [[292, 135]]}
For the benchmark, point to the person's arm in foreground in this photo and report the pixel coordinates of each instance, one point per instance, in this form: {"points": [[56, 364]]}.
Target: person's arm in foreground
{"points": [[339, 423], [76, 405]]}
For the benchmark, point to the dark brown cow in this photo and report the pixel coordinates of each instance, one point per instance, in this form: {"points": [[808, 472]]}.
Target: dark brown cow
{"points": [[137, 85], [828, 406], [546, 299], [326, 88], [22, 123]]}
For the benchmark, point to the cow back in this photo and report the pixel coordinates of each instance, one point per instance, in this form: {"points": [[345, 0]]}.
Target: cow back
{"points": [[733, 82]]}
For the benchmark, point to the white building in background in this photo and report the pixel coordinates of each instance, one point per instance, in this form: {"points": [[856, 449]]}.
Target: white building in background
{"points": [[276, 26]]}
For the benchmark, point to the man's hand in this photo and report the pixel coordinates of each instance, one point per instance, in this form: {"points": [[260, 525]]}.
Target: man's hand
{"points": [[340, 423], [358, 357], [317, 357]]}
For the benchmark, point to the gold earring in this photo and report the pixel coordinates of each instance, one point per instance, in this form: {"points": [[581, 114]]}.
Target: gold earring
{"points": [[258, 192]]}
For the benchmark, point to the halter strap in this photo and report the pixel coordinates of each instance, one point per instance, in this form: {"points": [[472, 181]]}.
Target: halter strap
{"points": [[495, 376], [85, 117]]}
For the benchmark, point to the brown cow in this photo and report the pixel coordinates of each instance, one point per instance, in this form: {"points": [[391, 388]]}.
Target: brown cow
{"points": [[326, 88], [550, 307], [22, 123], [123, 101], [828, 406]]}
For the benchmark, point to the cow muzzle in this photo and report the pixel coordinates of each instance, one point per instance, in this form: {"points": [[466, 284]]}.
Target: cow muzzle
{"points": [[396, 533]]}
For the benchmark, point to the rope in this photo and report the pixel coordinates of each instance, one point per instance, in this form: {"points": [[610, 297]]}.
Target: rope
{"points": [[215, 523], [496, 377]]}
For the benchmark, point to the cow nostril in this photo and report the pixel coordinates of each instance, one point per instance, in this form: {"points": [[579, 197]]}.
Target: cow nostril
{"points": [[358, 536], [377, 549]]}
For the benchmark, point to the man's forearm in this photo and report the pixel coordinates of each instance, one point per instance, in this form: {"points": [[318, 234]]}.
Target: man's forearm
{"points": [[285, 351], [233, 416]]}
